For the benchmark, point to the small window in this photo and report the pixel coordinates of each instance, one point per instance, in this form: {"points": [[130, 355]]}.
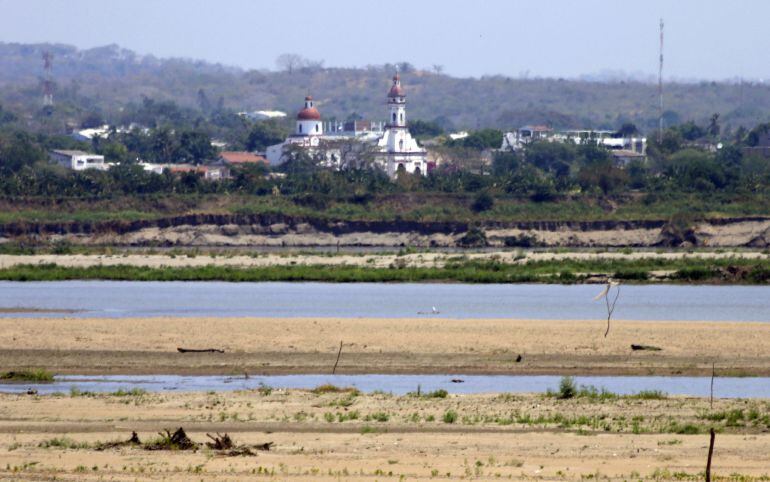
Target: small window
{"points": [[300, 128], [394, 117], [316, 127], [401, 145], [402, 117]]}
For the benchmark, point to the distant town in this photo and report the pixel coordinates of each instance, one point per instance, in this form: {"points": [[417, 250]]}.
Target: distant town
{"points": [[387, 146]]}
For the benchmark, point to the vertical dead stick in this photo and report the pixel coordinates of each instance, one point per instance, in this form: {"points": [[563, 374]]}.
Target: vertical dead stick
{"points": [[610, 308], [713, 371], [338, 359], [711, 452]]}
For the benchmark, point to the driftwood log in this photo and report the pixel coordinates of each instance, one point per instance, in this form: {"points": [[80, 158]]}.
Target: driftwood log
{"points": [[220, 442], [176, 441], [225, 444], [202, 350], [645, 347], [134, 440]]}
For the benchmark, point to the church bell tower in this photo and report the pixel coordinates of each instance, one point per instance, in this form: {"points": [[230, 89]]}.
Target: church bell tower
{"points": [[397, 104]]}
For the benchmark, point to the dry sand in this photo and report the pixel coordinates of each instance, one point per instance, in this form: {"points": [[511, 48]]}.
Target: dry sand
{"points": [[414, 443], [416, 345], [432, 259]]}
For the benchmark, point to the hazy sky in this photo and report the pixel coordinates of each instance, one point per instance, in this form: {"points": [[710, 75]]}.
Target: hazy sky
{"points": [[711, 39]]}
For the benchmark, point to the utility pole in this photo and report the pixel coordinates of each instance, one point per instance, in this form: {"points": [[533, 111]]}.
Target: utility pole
{"points": [[660, 87]]}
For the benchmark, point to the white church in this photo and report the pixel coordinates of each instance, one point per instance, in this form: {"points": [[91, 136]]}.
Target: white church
{"points": [[394, 148]]}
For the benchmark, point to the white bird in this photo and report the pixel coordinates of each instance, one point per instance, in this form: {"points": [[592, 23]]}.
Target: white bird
{"points": [[435, 311], [610, 284]]}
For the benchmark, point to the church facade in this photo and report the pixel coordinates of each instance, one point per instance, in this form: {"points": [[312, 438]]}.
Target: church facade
{"points": [[399, 151], [393, 149]]}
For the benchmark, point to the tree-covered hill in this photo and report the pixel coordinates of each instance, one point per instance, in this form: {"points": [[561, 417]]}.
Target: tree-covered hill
{"points": [[104, 80]]}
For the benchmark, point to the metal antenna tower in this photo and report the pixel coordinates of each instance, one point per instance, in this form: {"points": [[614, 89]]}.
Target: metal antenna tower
{"points": [[48, 79], [660, 87]]}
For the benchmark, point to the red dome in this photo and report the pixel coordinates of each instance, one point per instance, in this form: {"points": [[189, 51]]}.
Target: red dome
{"points": [[396, 90], [309, 113]]}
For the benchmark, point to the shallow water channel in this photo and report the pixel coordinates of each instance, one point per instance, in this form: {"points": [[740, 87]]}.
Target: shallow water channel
{"points": [[382, 300], [748, 387]]}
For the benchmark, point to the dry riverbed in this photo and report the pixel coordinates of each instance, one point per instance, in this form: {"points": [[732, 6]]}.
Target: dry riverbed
{"points": [[351, 436]]}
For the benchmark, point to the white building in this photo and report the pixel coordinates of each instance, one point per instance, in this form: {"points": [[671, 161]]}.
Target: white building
{"points": [[391, 145], [88, 135], [400, 151], [307, 134], [513, 141], [78, 160], [259, 115]]}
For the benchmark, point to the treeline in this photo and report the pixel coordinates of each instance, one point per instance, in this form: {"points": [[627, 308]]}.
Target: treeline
{"points": [[682, 165]]}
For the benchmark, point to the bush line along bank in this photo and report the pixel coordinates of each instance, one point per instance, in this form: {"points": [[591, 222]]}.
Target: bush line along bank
{"points": [[728, 270]]}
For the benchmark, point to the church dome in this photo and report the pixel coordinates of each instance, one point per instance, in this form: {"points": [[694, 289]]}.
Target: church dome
{"points": [[396, 90], [309, 112]]}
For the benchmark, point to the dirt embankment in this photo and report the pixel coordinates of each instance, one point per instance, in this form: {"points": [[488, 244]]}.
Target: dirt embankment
{"points": [[298, 231]]}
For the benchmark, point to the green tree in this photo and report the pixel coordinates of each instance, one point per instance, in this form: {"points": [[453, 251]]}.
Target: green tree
{"points": [[628, 129], [483, 139], [264, 134], [18, 149], [421, 128], [163, 145], [696, 170], [505, 163], [598, 169], [714, 128], [552, 157], [691, 131], [195, 147]]}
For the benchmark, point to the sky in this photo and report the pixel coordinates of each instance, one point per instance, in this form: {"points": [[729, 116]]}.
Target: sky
{"points": [[704, 39]]}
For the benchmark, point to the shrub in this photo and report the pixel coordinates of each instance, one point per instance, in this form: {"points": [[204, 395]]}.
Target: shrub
{"points": [[483, 202], [379, 417], [450, 416], [567, 388], [650, 395], [329, 388], [437, 394], [474, 238]]}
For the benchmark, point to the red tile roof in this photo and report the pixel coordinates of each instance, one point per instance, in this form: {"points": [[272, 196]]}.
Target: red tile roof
{"points": [[241, 157]]}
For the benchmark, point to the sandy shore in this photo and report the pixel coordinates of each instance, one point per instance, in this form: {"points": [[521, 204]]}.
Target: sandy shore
{"points": [[338, 436], [432, 259], [373, 345]]}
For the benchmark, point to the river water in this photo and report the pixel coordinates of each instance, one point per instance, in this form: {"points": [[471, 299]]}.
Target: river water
{"points": [[382, 300], [401, 384]]}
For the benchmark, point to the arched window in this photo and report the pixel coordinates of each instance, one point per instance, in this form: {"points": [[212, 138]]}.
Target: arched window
{"points": [[300, 128], [316, 127], [402, 117], [394, 117], [401, 145]]}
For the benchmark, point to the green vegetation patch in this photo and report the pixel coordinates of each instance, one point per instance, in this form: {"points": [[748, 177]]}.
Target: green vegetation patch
{"points": [[733, 270], [38, 375]]}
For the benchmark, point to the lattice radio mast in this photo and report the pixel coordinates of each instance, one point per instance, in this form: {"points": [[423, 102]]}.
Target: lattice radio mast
{"points": [[660, 87], [48, 79]]}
